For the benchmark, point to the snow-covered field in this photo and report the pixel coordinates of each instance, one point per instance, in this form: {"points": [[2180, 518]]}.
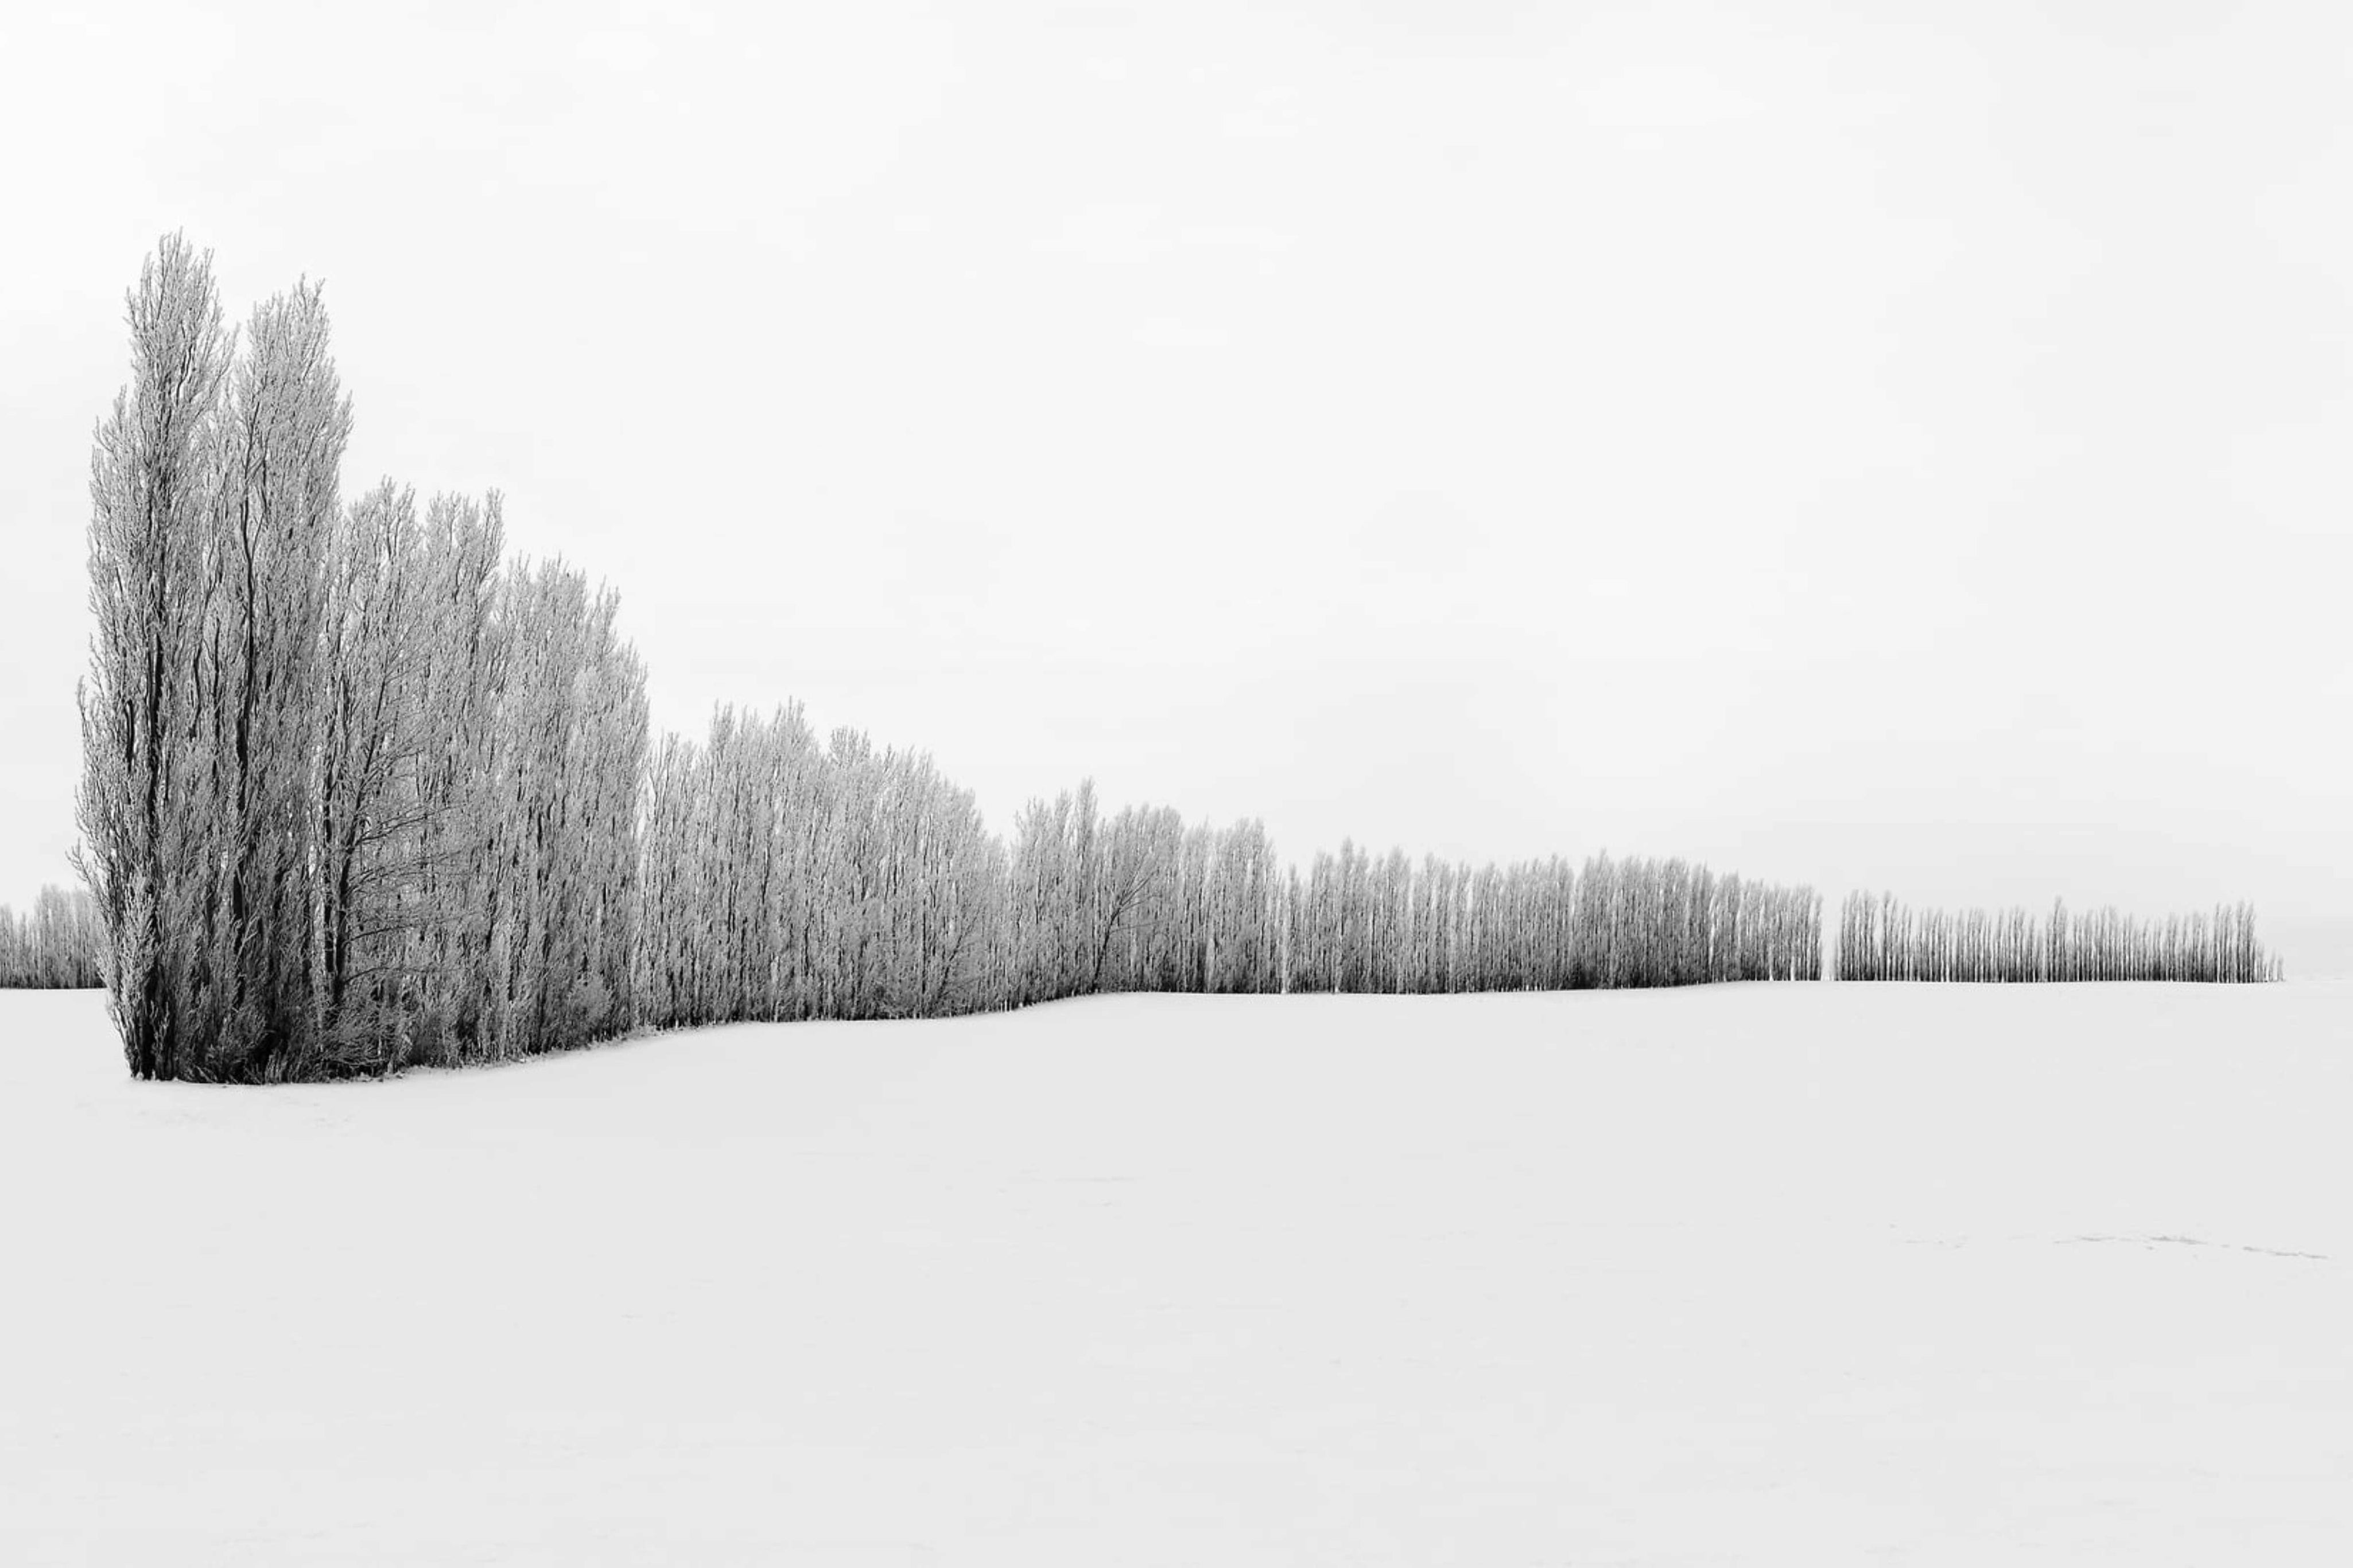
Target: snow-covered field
{"points": [[1805, 1275]]}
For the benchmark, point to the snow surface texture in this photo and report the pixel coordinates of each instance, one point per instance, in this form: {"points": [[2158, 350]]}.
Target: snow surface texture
{"points": [[1811, 1275]]}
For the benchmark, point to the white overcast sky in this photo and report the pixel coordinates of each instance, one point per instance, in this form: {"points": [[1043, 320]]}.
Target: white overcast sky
{"points": [[1897, 446]]}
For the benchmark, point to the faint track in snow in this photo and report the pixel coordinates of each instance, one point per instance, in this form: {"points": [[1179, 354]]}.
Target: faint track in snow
{"points": [[1958, 1241], [2197, 1241]]}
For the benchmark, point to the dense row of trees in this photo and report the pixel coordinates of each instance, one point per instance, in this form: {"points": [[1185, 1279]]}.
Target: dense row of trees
{"points": [[1882, 938], [783, 877], [357, 793], [59, 944], [1358, 924], [786, 878], [1140, 902], [354, 791]]}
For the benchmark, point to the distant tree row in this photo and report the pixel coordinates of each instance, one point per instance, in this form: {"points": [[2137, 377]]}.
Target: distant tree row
{"points": [[1140, 902], [1882, 938], [783, 878], [1357, 924], [786, 878], [59, 944], [1143, 903]]}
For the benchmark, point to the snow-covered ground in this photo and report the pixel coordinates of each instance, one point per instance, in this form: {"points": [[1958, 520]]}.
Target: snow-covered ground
{"points": [[1805, 1275]]}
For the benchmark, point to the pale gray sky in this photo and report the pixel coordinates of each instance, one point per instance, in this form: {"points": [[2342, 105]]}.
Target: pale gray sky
{"points": [[1896, 446]]}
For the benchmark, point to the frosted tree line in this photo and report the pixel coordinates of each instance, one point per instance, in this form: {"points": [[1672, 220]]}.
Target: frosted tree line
{"points": [[356, 790], [785, 878], [1882, 938], [359, 791], [58, 944], [1358, 924]]}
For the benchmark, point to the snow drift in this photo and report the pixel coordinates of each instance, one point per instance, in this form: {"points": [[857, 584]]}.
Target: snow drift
{"points": [[1750, 1274]]}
